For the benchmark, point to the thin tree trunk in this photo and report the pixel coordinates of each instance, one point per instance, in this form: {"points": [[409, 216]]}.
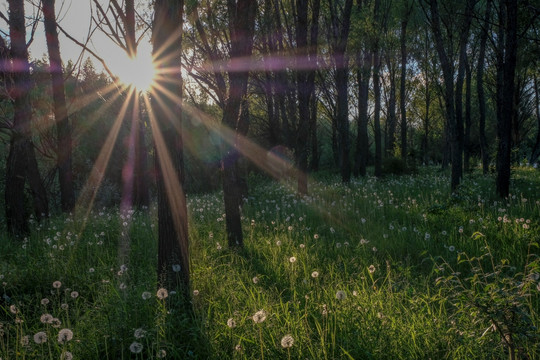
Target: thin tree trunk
{"points": [[504, 122], [535, 154], [63, 126], [467, 134], [402, 95], [480, 91], [301, 11], [173, 240], [362, 142], [377, 112], [391, 121], [241, 28]]}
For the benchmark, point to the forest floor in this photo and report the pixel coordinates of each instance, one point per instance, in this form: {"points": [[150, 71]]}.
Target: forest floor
{"points": [[396, 268]]}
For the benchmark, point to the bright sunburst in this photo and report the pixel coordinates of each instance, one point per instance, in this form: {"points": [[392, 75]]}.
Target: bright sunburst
{"points": [[138, 71]]}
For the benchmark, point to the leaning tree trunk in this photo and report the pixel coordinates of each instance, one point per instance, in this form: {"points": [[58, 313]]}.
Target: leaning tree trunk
{"points": [[63, 126], [173, 240], [22, 164]]}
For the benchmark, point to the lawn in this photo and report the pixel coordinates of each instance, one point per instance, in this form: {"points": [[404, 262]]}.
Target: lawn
{"points": [[396, 268]]}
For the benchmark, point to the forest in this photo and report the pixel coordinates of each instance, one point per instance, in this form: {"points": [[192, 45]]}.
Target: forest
{"points": [[279, 179]]}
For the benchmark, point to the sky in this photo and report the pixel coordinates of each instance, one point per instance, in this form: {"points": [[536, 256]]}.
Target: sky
{"points": [[74, 17]]}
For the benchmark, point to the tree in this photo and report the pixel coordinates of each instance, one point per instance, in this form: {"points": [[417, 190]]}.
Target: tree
{"points": [[340, 22], [21, 163], [63, 124], [480, 89], [408, 9], [452, 96], [305, 79], [241, 16], [173, 240], [506, 68]]}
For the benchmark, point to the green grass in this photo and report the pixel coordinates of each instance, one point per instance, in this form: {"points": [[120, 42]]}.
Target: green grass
{"points": [[405, 271]]}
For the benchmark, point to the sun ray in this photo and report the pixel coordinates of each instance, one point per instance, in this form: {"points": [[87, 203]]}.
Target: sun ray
{"points": [[91, 187]]}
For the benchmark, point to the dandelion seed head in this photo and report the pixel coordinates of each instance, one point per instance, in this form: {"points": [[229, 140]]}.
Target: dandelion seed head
{"points": [[45, 301], [231, 323], [315, 274], [292, 259], [146, 295], [64, 336], [46, 318], [139, 333], [135, 347], [162, 293], [287, 341], [259, 316], [176, 267], [40, 337], [371, 269], [341, 295]]}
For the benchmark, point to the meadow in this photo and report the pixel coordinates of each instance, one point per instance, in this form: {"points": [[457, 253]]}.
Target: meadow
{"points": [[396, 268]]}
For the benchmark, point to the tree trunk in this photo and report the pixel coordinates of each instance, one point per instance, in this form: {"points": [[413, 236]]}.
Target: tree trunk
{"points": [[467, 135], [241, 28], [391, 120], [480, 91], [504, 121], [22, 162], [63, 126], [301, 11], [362, 142], [403, 95], [535, 154], [173, 240], [340, 34], [377, 111]]}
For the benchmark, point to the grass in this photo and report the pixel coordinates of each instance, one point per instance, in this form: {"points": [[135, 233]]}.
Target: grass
{"points": [[382, 269]]}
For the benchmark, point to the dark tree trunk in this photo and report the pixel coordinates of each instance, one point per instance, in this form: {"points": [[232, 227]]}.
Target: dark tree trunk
{"points": [[142, 181], [173, 240], [313, 50], [467, 135], [480, 91], [391, 121], [340, 34], [454, 116], [22, 164], [504, 120], [535, 154], [362, 142], [403, 80], [241, 28], [377, 112], [303, 94], [63, 126]]}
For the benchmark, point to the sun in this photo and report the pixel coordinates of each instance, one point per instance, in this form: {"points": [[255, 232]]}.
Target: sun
{"points": [[138, 71]]}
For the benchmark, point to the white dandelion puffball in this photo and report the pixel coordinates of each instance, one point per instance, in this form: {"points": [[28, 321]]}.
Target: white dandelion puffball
{"points": [[287, 341], [46, 318], [315, 274], [139, 333], [57, 284], [162, 293], [74, 294], [135, 347], [259, 316], [292, 259], [340, 295], [65, 335], [176, 268], [40, 337], [371, 269], [146, 295], [231, 323]]}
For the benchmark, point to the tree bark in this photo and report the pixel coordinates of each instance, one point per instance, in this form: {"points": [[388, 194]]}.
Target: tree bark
{"points": [[363, 72], [63, 125], [21, 164], [173, 240], [504, 121], [467, 134], [480, 90], [340, 33], [535, 154], [403, 95], [241, 28]]}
